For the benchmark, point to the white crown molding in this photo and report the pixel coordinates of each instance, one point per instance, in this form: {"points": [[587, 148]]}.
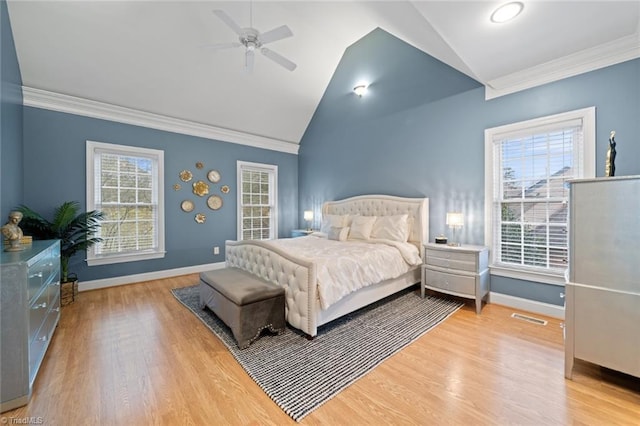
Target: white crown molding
{"points": [[138, 278], [541, 308], [39, 98], [604, 55]]}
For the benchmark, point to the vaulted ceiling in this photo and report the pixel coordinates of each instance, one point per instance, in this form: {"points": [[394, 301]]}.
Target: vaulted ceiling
{"points": [[148, 55]]}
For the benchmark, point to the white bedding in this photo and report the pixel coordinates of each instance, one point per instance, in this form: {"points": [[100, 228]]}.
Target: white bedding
{"points": [[345, 266]]}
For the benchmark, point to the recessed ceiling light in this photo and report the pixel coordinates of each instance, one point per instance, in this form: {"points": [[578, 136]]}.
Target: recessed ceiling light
{"points": [[507, 12]]}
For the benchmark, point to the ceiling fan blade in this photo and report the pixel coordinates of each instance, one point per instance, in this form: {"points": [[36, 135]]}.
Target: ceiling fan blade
{"points": [[275, 34], [227, 20], [278, 58], [249, 58], [218, 46]]}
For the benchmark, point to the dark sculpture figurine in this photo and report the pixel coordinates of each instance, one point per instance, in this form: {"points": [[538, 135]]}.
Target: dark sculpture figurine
{"points": [[610, 166]]}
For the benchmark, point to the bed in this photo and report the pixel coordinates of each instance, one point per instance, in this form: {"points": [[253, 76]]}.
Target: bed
{"points": [[293, 264]]}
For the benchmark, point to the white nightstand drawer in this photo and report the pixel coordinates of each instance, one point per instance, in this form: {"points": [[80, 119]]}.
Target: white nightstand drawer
{"points": [[450, 282], [451, 255], [462, 265]]}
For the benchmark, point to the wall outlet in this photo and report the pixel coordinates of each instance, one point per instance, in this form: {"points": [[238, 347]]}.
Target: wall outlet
{"points": [[216, 250]]}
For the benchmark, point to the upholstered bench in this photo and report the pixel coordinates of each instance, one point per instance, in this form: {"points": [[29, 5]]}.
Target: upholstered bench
{"points": [[247, 304]]}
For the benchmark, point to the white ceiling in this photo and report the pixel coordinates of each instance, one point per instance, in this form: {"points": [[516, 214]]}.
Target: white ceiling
{"points": [[147, 55]]}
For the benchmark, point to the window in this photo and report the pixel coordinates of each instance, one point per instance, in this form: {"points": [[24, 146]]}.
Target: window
{"points": [[126, 184], [527, 166], [257, 201]]}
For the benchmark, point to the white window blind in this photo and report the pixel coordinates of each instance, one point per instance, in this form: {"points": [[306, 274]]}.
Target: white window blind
{"points": [[127, 188], [531, 164], [257, 219]]}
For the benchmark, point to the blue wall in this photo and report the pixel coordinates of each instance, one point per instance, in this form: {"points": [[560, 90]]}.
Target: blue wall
{"points": [[55, 171], [436, 149], [10, 119], [44, 164], [419, 132]]}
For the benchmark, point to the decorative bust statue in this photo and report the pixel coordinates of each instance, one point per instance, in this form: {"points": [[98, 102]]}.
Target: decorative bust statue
{"points": [[12, 231]]}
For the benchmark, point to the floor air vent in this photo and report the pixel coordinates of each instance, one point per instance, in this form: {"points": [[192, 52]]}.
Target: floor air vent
{"points": [[528, 318]]}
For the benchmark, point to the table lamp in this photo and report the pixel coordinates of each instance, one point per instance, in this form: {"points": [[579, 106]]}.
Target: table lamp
{"points": [[455, 221], [308, 216]]}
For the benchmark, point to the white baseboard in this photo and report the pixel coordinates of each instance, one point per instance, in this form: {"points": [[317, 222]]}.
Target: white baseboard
{"points": [[541, 308], [156, 275]]}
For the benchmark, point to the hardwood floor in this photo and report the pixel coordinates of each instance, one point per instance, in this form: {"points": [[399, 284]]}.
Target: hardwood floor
{"points": [[135, 355]]}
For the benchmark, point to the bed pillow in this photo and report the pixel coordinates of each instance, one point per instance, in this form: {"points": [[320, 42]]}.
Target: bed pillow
{"points": [[395, 228], [338, 234], [361, 227], [333, 220]]}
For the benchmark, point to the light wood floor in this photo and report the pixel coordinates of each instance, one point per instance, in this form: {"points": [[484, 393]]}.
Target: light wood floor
{"points": [[134, 355]]}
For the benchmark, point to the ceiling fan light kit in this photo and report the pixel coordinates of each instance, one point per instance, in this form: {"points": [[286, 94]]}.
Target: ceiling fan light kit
{"points": [[252, 39]]}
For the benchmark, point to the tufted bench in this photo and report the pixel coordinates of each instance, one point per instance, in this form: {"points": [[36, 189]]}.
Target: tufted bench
{"points": [[247, 304]]}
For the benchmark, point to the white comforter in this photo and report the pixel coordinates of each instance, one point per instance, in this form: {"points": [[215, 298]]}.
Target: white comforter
{"points": [[344, 267]]}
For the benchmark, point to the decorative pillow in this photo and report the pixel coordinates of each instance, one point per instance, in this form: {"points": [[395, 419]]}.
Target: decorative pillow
{"points": [[395, 228], [338, 234], [333, 220], [361, 227]]}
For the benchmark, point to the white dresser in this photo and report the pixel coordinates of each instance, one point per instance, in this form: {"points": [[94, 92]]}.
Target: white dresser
{"points": [[30, 306], [460, 271], [602, 314]]}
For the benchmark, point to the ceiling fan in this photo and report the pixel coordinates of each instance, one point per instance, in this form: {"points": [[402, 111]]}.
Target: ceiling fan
{"points": [[252, 40]]}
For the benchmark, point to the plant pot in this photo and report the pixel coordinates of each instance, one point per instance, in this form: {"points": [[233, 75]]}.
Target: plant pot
{"points": [[68, 292]]}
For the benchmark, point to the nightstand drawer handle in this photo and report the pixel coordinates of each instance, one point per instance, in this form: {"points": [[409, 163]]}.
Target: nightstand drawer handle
{"points": [[41, 305], [39, 275]]}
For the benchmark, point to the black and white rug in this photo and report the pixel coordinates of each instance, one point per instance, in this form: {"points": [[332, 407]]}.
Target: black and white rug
{"points": [[300, 375]]}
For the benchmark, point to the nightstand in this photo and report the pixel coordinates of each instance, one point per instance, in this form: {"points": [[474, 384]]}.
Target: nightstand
{"points": [[461, 271], [300, 232]]}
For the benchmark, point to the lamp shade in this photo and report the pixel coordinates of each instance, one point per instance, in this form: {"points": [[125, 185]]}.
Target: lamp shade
{"points": [[455, 219], [308, 215]]}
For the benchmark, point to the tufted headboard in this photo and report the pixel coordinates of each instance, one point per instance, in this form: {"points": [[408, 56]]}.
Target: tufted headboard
{"points": [[387, 205]]}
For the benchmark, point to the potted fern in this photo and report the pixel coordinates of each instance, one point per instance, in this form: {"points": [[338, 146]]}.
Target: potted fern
{"points": [[76, 231]]}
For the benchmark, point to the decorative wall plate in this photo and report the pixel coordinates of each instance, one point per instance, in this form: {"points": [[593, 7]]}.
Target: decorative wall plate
{"points": [[200, 218], [225, 189], [214, 202], [187, 206], [200, 188], [186, 175], [199, 165], [213, 176], [176, 187]]}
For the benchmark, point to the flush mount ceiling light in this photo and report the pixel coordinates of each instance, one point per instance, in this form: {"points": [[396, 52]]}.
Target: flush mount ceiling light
{"points": [[360, 89], [506, 12]]}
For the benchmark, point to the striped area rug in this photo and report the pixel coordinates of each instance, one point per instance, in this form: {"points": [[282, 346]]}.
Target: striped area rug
{"points": [[300, 375]]}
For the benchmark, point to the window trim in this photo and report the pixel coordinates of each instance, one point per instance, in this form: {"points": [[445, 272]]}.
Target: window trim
{"points": [[270, 168], [588, 117], [92, 146]]}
